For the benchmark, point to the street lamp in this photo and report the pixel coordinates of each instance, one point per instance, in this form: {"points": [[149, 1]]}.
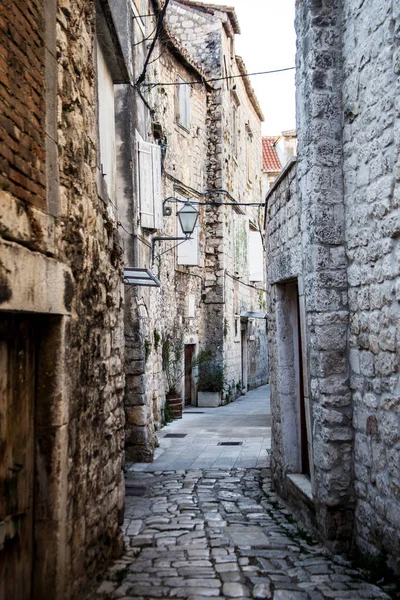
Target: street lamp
{"points": [[187, 216]]}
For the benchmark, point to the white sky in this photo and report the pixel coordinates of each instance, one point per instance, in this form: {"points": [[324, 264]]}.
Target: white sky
{"points": [[268, 42]]}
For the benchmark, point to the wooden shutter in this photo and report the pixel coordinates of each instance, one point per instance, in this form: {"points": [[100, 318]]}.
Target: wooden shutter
{"points": [[145, 177], [106, 116]]}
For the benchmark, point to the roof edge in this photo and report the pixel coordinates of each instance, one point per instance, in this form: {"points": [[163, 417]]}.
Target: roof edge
{"points": [[249, 89]]}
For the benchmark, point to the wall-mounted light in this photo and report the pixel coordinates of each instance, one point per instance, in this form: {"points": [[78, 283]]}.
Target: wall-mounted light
{"points": [[187, 216]]}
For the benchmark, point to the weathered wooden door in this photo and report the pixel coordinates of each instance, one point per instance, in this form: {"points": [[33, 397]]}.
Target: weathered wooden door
{"points": [[189, 353], [17, 390]]}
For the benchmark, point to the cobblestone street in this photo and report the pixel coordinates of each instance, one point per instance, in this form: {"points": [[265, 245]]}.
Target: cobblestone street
{"points": [[207, 533], [219, 530]]}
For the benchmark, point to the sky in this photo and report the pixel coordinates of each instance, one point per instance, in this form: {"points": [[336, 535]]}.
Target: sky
{"points": [[268, 41]]}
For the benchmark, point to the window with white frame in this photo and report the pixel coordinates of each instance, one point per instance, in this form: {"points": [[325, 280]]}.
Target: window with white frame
{"points": [[183, 103], [106, 122], [256, 256], [149, 184]]}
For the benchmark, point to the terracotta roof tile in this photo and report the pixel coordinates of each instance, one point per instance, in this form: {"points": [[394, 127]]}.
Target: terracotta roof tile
{"points": [[270, 157]]}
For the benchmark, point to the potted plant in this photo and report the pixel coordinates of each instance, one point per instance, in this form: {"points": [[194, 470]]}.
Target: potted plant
{"points": [[173, 366], [210, 384]]}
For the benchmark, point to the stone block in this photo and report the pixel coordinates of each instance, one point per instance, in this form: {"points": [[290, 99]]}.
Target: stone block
{"points": [[208, 399]]}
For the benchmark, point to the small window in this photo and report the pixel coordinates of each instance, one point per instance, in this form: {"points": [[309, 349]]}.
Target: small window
{"points": [[183, 97], [149, 184]]}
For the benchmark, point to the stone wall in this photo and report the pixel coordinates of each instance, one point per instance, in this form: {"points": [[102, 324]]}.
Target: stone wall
{"points": [[60, 266], [234, 172], [371, 142], [319, 126], [284, 264], [156, 315], [345, 265]]}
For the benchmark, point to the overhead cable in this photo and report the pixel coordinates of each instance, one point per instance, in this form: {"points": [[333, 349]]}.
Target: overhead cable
{"points": [[153, 83], [159, 27]]}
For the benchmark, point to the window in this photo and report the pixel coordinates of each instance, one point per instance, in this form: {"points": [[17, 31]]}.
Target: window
{"points": [[183, 108], [149, 184], [256, 256], [106, 115]]}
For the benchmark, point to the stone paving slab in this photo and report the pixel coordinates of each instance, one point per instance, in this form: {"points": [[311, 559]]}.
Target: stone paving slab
{"points": [[247, 421], [211, 533]]}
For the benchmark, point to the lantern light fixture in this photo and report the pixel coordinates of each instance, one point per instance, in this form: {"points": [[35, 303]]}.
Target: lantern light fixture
{"points": [[187, 215]]}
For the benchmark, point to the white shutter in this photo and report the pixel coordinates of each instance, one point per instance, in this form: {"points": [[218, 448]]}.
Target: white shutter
{"points": [[106, 117], [145, 176], [256, 257], [157, 193], [188, 251]]}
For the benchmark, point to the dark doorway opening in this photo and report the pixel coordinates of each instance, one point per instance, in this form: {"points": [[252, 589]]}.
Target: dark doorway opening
{"points": [[190, 350]]}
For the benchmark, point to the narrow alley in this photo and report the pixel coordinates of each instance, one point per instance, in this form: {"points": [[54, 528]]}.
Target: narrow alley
{"points": [[202, 521]]}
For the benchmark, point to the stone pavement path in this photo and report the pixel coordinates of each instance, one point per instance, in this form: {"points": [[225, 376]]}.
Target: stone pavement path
{"points": [[235, 435], [208, 533]]}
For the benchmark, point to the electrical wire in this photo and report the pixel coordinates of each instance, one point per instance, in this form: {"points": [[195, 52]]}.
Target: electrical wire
{"points": [[209, 192], [153, 83], [146, 38], [159, 26], [143, 16], [172, 248], [244, 283]]}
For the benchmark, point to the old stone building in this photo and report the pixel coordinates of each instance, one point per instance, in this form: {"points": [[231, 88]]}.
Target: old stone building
{"points": [[198, 142], [61, 321], [277, 150], [332, 221]]}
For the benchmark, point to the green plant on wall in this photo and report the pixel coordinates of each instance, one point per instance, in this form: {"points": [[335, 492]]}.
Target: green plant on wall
{"points": [[157, 338]]}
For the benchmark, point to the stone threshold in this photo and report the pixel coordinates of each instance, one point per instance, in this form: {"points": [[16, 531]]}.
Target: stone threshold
{"points": [[302, 483]]}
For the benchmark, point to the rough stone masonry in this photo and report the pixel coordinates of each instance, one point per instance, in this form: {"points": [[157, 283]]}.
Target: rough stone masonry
{"points": [[340, 249]]}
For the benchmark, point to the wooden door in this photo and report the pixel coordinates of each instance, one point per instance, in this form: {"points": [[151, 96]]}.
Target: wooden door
{"points": [[17, 389], [189, 354]]}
